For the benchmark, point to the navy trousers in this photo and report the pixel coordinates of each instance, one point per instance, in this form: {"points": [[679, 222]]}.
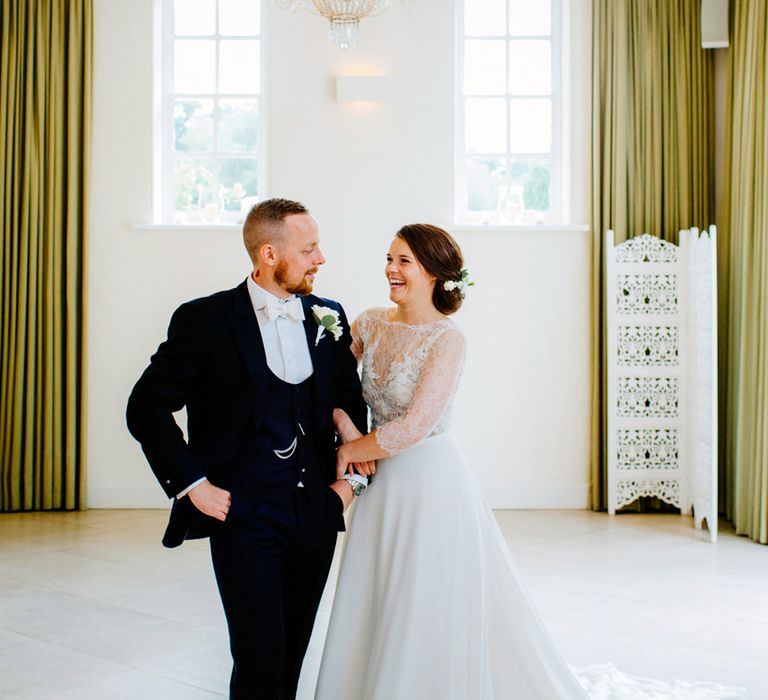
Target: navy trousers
{"points": [[271, 558]]}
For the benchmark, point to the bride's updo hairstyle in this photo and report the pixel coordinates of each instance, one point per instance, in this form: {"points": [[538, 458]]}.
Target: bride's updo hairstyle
{"points": [[440, 255]]}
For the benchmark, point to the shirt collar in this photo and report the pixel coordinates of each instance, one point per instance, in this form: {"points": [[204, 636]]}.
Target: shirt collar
{"points": [[261, 298]]}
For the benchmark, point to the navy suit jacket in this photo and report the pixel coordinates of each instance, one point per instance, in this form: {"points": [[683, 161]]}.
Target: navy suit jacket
{"points": [[214, 363]]}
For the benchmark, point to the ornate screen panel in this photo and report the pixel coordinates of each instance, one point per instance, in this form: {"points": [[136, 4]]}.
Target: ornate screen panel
{"points": [[702, 377], [661, 388]]}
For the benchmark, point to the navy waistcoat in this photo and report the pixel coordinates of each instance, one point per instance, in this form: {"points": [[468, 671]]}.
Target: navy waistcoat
{"points": [[282, 453]]}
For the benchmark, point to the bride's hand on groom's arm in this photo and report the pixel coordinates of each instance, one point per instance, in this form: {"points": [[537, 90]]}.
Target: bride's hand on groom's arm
{"points": [[211, 500], [348, 432], [360, 454], [345, 462]]}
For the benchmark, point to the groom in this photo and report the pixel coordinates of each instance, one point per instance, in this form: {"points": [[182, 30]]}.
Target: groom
{"points": [[259, 379]]}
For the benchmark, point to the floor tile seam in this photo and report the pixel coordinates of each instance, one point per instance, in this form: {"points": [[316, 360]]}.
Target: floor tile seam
{"points": [[633, 636], [157, 674], [91, 598], [668, 637], [622, 598], [622, 601], [565, 549], [42, 682], [121, 565], [95, 654], [154, 617], [588, 541], [32, 638], [81, 599], [134, 568], [78, 599], [744, 655], [162, 618]]}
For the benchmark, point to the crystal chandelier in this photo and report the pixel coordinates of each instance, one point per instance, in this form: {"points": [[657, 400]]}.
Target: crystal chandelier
{"points": [[344, 15]]}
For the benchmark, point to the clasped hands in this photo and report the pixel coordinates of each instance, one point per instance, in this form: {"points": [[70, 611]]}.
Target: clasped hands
{"points": [[348, 433]]}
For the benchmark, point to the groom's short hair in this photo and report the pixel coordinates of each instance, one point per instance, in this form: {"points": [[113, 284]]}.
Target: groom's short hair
{"points": [[264, 223]]}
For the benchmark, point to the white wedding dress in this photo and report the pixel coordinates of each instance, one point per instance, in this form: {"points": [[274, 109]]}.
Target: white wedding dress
{"points": [[429, 605]]}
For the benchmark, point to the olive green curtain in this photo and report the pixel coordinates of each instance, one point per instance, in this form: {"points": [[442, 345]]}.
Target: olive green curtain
{"points": [[45, 115], [745, 242], [652, 148]]}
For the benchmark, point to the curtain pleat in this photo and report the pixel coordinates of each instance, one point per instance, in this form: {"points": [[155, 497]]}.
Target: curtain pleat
{"points": [[744, 301], [45, 125], [652, 149]]}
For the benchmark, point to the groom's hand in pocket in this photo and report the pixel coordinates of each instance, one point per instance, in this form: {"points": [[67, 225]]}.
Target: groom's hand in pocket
{"points": [[211, 500]]}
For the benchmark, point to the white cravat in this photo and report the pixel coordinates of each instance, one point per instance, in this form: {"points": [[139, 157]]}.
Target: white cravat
{"points": [[275, 308], [283, 335], [285, 342]]}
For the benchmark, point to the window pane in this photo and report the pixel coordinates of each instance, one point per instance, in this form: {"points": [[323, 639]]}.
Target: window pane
{"points": [[485, 177], [530, 68], [528, 18], [194, 66], [485, 125], [528, 190], [238, 125], [239, 181], [484, 17], [239, 66], [193, 125], [530, 126], [239, 16], [193, 190], [484, 69], [195, 17]]}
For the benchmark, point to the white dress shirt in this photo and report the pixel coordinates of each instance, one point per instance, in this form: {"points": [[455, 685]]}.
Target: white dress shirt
{"points": [[285, 342]]}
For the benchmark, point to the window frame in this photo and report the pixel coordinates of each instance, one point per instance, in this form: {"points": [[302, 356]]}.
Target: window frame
{"points": [[558, 193], [164, 211]]}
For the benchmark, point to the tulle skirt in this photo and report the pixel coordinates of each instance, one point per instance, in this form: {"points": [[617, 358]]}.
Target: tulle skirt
{"points": [[429, 605]]}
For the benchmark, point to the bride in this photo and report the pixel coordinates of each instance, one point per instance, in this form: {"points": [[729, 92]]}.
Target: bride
{"points": [[429, 604]]}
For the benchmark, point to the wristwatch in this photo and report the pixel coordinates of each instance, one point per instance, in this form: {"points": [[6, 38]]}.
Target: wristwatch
{"points": [[357, 486]]}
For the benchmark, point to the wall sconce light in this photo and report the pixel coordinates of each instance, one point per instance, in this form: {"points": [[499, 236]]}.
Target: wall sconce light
{"points": [[359, 88]]}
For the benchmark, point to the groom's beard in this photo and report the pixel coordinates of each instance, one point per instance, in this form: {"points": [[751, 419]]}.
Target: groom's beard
{"points": [[281, 277]]}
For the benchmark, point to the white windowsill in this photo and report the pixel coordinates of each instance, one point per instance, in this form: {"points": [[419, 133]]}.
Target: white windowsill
{"points": [[518, 228], [187, 227], [458, 228]]}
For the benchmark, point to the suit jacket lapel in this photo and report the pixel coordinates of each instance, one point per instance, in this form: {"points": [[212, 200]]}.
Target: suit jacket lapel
{"points": [[320, 354], [245, 328]]}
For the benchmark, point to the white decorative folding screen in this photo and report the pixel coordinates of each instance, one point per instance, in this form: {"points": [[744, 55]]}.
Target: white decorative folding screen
{"points": [[662, 373]]}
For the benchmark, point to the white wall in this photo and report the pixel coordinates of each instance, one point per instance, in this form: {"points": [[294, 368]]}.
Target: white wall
{"points": [[364, 170]]}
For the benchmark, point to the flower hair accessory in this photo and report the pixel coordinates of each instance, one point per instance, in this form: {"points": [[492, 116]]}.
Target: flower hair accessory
{"points": [[461, 283]]}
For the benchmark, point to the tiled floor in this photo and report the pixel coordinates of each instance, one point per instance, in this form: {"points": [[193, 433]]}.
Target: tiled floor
{"points": [[92, 607]]}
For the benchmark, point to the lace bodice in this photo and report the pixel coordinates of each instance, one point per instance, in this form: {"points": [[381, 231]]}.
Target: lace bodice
{"points": [[410, 375]]}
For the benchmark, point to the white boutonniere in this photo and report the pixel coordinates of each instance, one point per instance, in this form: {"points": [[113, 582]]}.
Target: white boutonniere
{"points": [[327, 320]]}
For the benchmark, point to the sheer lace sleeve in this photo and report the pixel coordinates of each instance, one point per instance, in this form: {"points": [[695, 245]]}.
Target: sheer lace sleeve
{"points": [[431, 398], [357, 338]]}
